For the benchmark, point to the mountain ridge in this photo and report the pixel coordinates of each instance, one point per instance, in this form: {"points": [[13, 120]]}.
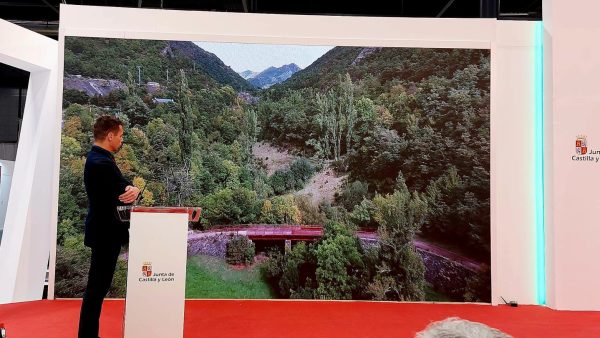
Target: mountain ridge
{"points": [[274, 75]]}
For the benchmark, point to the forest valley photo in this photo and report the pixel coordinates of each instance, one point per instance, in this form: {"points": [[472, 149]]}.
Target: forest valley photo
{"points": [[364, 175]]}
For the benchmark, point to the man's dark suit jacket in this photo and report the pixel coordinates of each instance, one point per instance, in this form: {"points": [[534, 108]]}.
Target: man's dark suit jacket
{"points": [[103, 183]]}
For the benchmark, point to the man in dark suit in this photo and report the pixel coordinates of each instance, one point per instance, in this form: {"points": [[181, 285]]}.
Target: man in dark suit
{"points": [[106, 189]]}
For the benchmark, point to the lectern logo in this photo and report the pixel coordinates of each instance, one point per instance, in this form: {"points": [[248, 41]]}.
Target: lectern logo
{"points": [[151, 276], [581, 145], [147, 269], [583, 153]]}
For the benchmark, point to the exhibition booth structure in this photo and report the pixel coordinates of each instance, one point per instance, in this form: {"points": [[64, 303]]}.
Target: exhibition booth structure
{"points": [[26, 238], [333, 157]]}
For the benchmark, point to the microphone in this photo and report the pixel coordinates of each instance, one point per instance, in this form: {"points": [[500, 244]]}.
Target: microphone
{"points": [[123, 212], [511, 303]]}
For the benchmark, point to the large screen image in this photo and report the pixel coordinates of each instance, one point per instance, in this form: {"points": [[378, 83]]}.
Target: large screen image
{"points": [[323, 172]]}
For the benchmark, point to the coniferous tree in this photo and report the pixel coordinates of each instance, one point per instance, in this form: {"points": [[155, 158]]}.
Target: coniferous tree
{"points": [[400, 274]]}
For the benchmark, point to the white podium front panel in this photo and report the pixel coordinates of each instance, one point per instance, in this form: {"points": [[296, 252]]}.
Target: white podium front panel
{"points": [[156, 275]]}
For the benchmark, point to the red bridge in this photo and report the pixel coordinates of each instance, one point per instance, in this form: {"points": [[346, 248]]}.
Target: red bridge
{"points": [[284, 232], [288, 232]]}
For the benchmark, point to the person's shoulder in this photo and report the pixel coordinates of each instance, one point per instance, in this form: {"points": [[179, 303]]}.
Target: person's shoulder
{"points": [[96, 158]]}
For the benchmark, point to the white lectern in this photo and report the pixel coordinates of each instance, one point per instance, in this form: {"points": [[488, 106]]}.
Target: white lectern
{"points": [[155, 300]]}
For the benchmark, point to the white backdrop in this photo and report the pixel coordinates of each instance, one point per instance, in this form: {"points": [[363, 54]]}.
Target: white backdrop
{"points": [[30, 212], [512, 93], [572, 104]]}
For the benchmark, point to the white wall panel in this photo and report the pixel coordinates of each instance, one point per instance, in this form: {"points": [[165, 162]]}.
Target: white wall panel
{"points": [[27, 238]]}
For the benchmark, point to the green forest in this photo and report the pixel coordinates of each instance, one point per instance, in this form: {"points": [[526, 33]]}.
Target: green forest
{"points": [[408, 128]]}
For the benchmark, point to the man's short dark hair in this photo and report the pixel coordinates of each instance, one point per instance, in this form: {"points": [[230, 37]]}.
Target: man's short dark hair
{"points": [[105, 124]]}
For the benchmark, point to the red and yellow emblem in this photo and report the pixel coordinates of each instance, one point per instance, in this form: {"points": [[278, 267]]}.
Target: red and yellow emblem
{"points": [[147, 269], [581, 145]]}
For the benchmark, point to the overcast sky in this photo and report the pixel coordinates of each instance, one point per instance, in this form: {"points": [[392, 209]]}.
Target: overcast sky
{"points": [[258, 57]]}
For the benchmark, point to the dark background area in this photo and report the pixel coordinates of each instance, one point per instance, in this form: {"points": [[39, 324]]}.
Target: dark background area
{"points": [[13, 90]]}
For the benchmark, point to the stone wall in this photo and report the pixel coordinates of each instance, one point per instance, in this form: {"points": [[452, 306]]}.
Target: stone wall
{"points": [[215, 245], [446, 276]]}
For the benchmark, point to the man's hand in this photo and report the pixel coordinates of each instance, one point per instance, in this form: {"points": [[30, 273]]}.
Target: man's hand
{"points": [[130, 195]]}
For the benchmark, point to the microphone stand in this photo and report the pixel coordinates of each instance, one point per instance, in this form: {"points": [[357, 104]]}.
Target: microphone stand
{"points": [[124, 211]]}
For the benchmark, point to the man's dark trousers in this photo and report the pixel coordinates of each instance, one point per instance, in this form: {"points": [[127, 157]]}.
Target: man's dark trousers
{"points": [[102, 268]]}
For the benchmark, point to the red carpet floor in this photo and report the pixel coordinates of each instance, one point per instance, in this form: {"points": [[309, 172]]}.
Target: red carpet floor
{"points": [[212, 318]]}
